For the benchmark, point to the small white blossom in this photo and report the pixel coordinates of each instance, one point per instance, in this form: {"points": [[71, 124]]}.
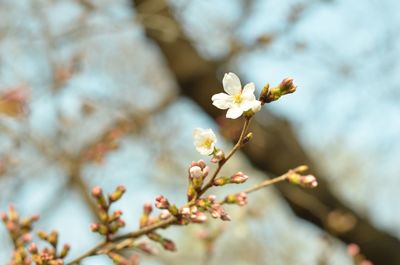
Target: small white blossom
{"points": [[204, 140], [196, 172], [236, 99]]}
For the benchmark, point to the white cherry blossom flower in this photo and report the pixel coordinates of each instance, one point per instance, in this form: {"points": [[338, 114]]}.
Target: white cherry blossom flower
{"points": [[236, 99], [204, 140]]}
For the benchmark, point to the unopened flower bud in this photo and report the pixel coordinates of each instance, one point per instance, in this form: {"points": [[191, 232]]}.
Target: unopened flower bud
{"points": [[53, 238], [221, 181], [308, 181], [42, 234], [218, 156], [196, 172], [33, 248], [264, 94], [185, 212], [238, 178], [241, 199], [115, 226], [353, 249], [168, 245], [94, 227], [198, 217], [65, 250], [198, 169], [247, 138], [287, 86], [27, 238], [161, 202], [238, 198], [147, 209], [97, 192], [117, 194]]}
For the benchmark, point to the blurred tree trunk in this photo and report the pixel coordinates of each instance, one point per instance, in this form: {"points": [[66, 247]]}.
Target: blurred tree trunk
{"points": [[278, 147]]}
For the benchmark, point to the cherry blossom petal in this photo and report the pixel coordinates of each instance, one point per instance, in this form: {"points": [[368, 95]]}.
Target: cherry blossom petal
{"points": [[248, 91], [234, 113], [231, 83], [256, 106], [222, 101]]}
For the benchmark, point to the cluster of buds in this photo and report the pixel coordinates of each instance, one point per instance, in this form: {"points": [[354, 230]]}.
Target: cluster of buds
{"points": [[49, 255], [211, 205], [198, 171], [267, 95], [109, 223], [238, 198], [358, 258], [196, 213], [146, 220], [162, 203], [237, 178], [18, 228], [192, 214], [121, 260]]}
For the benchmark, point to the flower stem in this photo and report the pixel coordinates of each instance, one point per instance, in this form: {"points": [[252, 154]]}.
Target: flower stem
{"points": [[135, 234], [236, 147]]}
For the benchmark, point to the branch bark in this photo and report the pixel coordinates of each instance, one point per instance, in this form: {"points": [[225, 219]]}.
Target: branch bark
{"points": [[280, 148]]}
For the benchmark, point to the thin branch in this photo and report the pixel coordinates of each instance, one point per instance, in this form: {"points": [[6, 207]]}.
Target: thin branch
{"points": [[237, 146]]}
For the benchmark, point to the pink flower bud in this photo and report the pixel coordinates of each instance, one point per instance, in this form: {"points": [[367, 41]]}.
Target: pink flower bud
{"points": [[168, 245], [238, 178], [241, 199], [198, 217], [162, 202], [218, 156], [198, 169], [94, 227], [27, 238], [195, 172], [185, 212], [97, 192], [33, 248], [309, 181], [147, 209], [353, 249]]}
